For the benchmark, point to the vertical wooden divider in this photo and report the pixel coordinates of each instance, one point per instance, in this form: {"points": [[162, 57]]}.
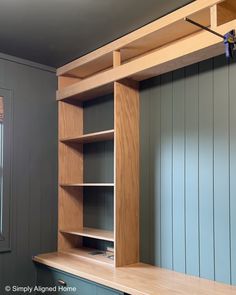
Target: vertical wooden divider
{"points": [[213, 12], [126, 143], [70, 200], [116, 58]]}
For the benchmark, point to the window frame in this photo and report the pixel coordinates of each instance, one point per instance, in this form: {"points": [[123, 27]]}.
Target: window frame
{"points": [[6, 198]]}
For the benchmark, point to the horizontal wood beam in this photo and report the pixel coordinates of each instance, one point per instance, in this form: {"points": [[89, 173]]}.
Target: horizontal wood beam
{"points": [[130, 43], [186, 51]]}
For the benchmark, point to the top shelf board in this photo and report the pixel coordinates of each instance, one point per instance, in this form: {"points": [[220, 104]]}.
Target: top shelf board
{"points": [[154, 35]]}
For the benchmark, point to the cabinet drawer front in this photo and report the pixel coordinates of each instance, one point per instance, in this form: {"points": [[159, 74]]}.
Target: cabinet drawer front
{"points": [[48, 277]]}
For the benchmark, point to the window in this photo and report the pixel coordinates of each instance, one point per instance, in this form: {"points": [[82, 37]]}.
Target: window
{"points": [[5, 167]]}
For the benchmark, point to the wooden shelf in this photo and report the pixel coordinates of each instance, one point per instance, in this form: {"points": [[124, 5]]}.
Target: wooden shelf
{"points": [[147, 38], [95, 233], [85, 184], [92, 137], [86, 253]]}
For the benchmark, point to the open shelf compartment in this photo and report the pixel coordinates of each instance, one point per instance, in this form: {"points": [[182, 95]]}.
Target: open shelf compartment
{"points": [[92, 233], [91, 254]]}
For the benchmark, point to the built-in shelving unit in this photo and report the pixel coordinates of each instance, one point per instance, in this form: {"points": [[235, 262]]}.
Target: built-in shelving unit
{"points": [[99, 161], [99, 136]]}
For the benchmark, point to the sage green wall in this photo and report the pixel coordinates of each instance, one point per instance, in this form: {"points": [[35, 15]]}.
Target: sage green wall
{"points": [[188, 154], [34, 168]]}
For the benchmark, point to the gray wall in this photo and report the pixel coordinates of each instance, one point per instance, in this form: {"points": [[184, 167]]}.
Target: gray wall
{"points": [[34, 171], [188, 201]]}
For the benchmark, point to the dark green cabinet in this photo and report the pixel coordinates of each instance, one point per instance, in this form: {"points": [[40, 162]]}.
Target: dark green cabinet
{"points": [[62, 283]]}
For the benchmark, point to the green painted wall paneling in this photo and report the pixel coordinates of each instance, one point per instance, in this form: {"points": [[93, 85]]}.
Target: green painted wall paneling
{"points": [[6, 170], [34, 169], [188, 165]]}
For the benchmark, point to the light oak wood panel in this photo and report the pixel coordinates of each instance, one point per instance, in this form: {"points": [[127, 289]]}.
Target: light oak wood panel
{"points": [[66, 81], [186, 51], [70, 215], [70, 163], [116, 58], [86, 253], [136, 279], [214, 17], [142, 40], [90, 233], [91, 137], [226, 11], [85, 184], [70, 119], [70, 200], [126, 172]]}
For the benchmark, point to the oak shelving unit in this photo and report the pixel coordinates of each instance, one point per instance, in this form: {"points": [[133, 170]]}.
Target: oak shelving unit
{"points": [[76, 145], [115, 70]]}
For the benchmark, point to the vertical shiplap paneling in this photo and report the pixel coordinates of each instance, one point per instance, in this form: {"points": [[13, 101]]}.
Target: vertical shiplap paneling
{"points": [[206, 202], [166, 171], [178, 171], [155, 171], [34, 177], [221, 171], [191, 170], [232, 92], [189, 159]]}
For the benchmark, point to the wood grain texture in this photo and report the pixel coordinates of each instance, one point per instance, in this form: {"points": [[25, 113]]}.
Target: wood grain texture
{"points": [[66, 81], [137, 279], [70, 215], [89, 232], [92, 137], [70, 120], [226, 11], [126, 173], [86, 253], [214, 23], [183, 52], [70, 163], [148, 37], [116, 58], [70, 200]]}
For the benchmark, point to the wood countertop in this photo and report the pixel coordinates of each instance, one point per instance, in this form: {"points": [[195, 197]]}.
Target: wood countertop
{"points": [[136, 279]]}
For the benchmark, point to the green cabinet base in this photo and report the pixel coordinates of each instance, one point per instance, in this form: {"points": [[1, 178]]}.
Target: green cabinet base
{"points": [[52, 281]]}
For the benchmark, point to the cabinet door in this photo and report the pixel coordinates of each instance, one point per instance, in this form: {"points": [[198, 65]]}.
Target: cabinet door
{"points": [[60, 281], [107, 291]]}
